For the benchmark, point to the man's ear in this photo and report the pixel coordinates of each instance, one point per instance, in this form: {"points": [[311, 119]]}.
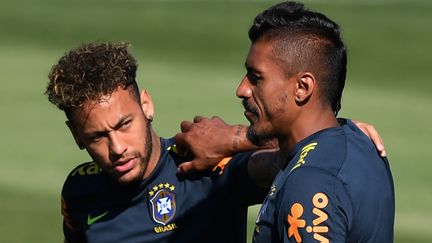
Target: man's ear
{"points": [[304, 87], [75, 135], [147, 104]]}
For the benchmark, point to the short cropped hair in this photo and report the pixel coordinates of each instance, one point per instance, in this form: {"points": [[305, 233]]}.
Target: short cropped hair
{"points": [[90, 72], [307, 41]]}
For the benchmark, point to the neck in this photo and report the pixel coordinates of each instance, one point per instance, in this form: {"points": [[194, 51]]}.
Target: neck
{"points": [[155, 154], [304, 126]]}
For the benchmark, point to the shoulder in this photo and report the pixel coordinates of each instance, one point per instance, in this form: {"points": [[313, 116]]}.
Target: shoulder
{"points": [[85, 169], [326, 150], [363, 166], [356, 138], [240, 158], [83, 179], [237, 164], [336, 148]]}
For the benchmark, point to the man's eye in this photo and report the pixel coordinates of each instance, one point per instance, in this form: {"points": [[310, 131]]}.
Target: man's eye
{"points": [[96, 137], [253, 78], [126, 124]]}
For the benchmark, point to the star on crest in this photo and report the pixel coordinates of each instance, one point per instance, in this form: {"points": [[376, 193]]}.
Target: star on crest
{"points": [[161, 186]]}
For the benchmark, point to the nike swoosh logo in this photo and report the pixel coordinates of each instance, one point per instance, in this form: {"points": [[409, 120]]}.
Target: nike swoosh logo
{"points": [[92, 220]]}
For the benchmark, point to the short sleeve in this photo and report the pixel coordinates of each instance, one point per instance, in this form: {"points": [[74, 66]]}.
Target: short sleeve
{"points": [[70, 229], [313, 206]]}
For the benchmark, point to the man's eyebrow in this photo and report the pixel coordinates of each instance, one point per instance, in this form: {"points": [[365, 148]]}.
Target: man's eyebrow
{"points": [[115, 127], [250, 69], [122, 121]]}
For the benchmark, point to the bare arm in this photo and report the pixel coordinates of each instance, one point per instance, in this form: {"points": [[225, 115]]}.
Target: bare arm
{"points": [[211, 139]]}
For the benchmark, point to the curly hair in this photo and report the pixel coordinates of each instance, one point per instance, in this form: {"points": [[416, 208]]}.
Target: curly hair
{"points": [[90, 72]]}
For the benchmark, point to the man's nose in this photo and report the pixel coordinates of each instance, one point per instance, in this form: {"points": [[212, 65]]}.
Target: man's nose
{"points": [[244, 89], [117, 145]]}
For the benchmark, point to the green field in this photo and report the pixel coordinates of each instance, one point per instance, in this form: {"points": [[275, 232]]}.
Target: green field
{"points": [[191, 56]]}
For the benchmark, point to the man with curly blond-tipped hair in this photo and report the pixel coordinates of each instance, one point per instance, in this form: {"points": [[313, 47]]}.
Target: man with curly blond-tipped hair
{"points": [[130, 191], [84, 84]]}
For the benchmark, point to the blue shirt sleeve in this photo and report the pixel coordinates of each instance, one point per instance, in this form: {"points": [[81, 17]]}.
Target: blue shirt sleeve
{"points": [[314, 206], [70, 230], [241, 185]]}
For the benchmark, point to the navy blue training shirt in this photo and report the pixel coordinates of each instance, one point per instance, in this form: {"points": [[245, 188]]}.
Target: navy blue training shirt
{"points": [[335, 188], [162, 208]]}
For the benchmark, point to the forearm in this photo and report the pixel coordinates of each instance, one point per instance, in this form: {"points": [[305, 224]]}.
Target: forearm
{"points": [[212, 140]]}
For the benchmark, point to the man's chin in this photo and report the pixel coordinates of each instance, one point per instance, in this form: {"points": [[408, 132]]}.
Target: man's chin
{"points": [[257, 138], [128, 178]]}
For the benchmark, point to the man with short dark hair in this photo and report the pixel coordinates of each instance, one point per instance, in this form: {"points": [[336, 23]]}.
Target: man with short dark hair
{"points": [[335, 187], [332, 186]]}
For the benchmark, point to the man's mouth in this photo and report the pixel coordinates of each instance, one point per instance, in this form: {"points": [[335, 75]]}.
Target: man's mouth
{"points": [[249, 110], [124, 165]]}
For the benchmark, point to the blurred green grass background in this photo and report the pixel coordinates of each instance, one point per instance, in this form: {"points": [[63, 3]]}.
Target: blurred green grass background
{"points": [[191, 56]]}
